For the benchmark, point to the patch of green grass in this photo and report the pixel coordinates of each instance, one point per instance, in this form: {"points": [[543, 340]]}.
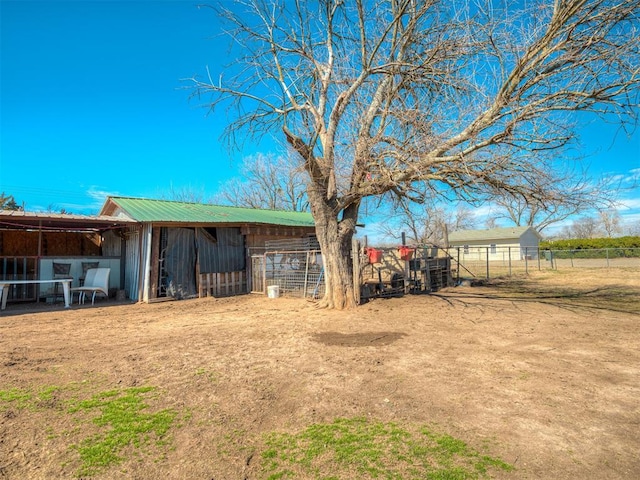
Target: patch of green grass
{"points": [[16, 397], [47, 393], [358, 448], [20, 398], [123, 421], [209, 374]]}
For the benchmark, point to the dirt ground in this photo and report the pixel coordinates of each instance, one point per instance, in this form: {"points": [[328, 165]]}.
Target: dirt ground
{"points": [[545, 371]]}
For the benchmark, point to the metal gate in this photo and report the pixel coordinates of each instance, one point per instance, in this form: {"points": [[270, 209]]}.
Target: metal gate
{"points": [[296, 273]]}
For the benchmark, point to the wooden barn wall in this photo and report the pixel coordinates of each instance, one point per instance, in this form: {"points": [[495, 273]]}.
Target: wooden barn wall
{"points": [[25, 243], [112, 243]]}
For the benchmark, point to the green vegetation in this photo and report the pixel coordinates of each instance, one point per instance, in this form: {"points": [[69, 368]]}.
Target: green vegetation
{"points": [[618, 247], [16, 397], [120, 420], [20, 399], [122, 423], [209, 374], [117, 424], [358, 448]]}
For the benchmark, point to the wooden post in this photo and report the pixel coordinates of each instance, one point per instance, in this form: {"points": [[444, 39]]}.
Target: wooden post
{"points": [[355, 254]]}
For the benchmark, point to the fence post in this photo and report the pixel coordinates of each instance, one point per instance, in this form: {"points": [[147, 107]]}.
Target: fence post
{"points": [[458, 274], [607, 250], [538, 252], [487, 263], [306, 276], [264, 274], [526, 261], [509, 260], [355, 254]]}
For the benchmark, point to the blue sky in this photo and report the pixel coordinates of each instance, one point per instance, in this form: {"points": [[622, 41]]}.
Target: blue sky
{"points": [[93, 102]]}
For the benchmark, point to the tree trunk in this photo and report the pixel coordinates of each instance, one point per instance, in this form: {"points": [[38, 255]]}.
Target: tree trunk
{"points": [[335, 236]]}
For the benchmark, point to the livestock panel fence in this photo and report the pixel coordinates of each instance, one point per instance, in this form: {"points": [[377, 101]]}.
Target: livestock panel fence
{"points": [[493, 261], [293, 265], [296, 273]]}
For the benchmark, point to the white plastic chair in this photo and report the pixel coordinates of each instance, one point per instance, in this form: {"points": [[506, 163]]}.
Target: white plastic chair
{"points": [[96, 281]]}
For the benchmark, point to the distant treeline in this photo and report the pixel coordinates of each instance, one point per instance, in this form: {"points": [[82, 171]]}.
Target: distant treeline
{"points": [[624, 247]]}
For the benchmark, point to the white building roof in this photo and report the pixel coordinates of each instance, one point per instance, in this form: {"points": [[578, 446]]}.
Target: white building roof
{"points": [[490, 234]]}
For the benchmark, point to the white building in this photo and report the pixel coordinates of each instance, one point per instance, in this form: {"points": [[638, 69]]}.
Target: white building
{"points": [[516, 243]]}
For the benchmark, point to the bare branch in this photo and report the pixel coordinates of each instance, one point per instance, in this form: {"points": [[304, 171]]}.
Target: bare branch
{"points": [[461, 100]]}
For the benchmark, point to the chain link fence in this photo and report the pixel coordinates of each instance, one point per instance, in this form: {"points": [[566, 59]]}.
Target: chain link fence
{"points": [[300, 273], [491, 262]]}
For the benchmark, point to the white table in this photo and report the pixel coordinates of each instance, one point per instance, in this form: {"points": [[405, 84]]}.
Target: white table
{"points": [[66, 288]]}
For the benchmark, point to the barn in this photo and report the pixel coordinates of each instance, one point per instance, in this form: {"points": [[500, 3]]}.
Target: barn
{"points": [[178, 247]]}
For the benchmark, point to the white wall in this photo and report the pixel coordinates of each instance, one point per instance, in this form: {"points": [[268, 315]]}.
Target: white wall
{"points": [[46, 269]]}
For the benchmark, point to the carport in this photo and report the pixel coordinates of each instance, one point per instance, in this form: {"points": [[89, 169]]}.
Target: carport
{"points": [[31, 242]]}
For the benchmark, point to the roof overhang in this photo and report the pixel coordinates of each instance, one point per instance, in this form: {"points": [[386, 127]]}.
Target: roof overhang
{"points": [[20, 220]]}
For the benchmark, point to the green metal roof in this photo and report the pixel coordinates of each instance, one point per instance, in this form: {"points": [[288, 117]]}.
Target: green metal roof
{"points": [[490, 234], [158, 211]]}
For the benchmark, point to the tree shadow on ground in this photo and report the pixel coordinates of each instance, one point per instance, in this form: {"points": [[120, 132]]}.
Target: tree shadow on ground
{"points": [[364, 339], [614, 298]]}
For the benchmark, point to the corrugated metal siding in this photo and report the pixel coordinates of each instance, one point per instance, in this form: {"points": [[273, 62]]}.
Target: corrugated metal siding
{"points": [[132, 263], [146, 261], [146, 210], [225, 253], [180, 261]]}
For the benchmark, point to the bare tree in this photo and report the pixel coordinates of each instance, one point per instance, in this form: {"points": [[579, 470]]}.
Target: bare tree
{"points": [[187, 194], [267, 181], [54, 208], [426, 223], [583, 227], [633, 229], [610, 222], [422, 99], [582, 195], [491, 222]]}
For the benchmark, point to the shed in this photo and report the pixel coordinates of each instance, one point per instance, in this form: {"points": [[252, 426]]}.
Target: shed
{"points": [[31, 242], [518, 242], [181, 242]]}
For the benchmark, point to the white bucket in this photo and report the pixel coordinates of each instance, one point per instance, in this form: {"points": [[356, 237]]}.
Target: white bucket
{"points": [[273, 291]]}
